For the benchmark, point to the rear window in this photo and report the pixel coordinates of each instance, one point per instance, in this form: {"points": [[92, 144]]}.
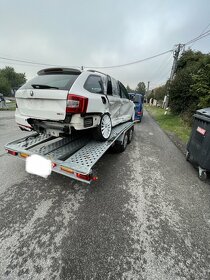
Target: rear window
{"points": [[94, 84], [54, 81], [136, 98]]}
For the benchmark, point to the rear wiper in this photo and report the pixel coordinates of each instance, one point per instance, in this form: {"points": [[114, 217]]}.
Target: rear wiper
{"points": [[42, 86]]}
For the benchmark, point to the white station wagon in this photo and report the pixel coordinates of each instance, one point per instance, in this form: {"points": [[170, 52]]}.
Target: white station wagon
{"points": [[59, 100]]}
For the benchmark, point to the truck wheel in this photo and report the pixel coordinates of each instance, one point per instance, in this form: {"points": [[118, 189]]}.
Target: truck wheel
{"points": [[130, 134], [202, 175], [104, 129], [187, 156], [120, 147]]}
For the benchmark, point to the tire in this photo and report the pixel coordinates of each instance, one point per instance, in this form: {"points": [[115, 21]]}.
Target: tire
{"points": [[130, 134], [120, 147], [187, 156], [202, 176], [104, 129]]}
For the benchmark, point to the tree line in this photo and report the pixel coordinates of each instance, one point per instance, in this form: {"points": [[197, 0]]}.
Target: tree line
{"points": [[10, 80], [140, 88], [190, 88]]}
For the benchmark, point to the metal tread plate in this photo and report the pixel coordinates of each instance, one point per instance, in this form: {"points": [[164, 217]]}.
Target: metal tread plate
{"points": [[84, 159], [61, 146], [29, 141], [67, 149]]}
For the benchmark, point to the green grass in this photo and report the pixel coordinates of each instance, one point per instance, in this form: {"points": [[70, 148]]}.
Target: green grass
{"points": [[170, 123], [10, 106]]}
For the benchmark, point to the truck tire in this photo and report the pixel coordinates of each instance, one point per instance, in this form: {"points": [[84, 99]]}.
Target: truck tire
{"points": [[120, 147], [130, 134]]}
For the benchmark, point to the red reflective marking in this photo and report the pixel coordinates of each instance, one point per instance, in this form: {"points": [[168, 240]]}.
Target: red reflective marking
{"points": [[201, 130]]}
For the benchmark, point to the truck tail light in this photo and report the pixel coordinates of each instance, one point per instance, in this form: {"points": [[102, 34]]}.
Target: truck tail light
{"points": [[87, 177], [84, 177], [13, 153], [76, 104]]}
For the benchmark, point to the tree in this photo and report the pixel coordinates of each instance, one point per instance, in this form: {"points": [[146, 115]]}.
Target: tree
{"points": [[10, 79], [190, 89], [160, 92], [151, 94], [4, 86], [201, 86], [141, 88], [129, 89], [179, 92]]}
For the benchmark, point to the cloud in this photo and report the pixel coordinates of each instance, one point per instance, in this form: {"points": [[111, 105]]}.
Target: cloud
{"points": [[100, 33]]}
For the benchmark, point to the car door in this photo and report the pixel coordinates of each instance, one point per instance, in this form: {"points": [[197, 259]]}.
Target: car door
{"points": [[115, 101], [127, 106]]}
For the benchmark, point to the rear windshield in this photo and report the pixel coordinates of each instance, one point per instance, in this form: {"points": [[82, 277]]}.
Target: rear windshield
{"points": [[54, 81], [137, 98]]}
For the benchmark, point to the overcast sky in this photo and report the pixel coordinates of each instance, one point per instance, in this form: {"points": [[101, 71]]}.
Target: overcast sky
{"points": [[101, 33]]}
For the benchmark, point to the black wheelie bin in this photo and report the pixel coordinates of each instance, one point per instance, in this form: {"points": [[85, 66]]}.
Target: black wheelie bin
{"points": [[198, 147]]}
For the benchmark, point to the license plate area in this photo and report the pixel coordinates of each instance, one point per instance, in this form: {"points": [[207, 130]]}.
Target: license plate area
{"points": [[38, 165]]}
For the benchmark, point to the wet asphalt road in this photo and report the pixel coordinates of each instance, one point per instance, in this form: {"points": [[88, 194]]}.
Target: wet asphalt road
{"points": [[147, 217]]}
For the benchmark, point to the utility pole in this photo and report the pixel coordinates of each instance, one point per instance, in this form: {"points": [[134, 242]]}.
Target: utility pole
{"points": [[173, 70], [176, 56], [147, 90]]}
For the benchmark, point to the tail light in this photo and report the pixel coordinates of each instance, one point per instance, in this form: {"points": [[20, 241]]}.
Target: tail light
{"points": [[13, 153], [84, 177], [87, 177], [139, 113], [76, 104]]}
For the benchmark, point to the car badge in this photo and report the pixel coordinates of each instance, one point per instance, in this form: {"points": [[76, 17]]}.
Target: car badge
{"points": [[31, 93]]}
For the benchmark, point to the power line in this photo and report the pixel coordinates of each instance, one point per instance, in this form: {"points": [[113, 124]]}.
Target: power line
{"points": [[207, 33], [32, 62], [202, 32], [97, 67], [130, 63], [205, 29], [25, 61]]}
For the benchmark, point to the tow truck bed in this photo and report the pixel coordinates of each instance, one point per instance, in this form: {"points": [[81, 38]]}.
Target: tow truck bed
{"points": [[72, 156]]}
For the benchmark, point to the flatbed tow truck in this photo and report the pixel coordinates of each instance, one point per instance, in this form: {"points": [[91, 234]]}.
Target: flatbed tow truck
{"points": [[72, 156]]}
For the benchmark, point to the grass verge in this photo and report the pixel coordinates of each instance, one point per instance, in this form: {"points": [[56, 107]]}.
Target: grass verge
{"points": [[170, 123], [9, 106]]}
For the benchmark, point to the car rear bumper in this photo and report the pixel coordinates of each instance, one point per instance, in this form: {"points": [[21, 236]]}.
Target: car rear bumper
{"points": [[22, 121], [55, 128]]}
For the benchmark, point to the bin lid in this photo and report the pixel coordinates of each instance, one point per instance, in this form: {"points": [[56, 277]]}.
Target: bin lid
{"points": [[205, 112]]}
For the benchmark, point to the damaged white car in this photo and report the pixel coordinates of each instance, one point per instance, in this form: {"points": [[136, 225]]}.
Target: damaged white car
{"points": [[60, 100]]}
